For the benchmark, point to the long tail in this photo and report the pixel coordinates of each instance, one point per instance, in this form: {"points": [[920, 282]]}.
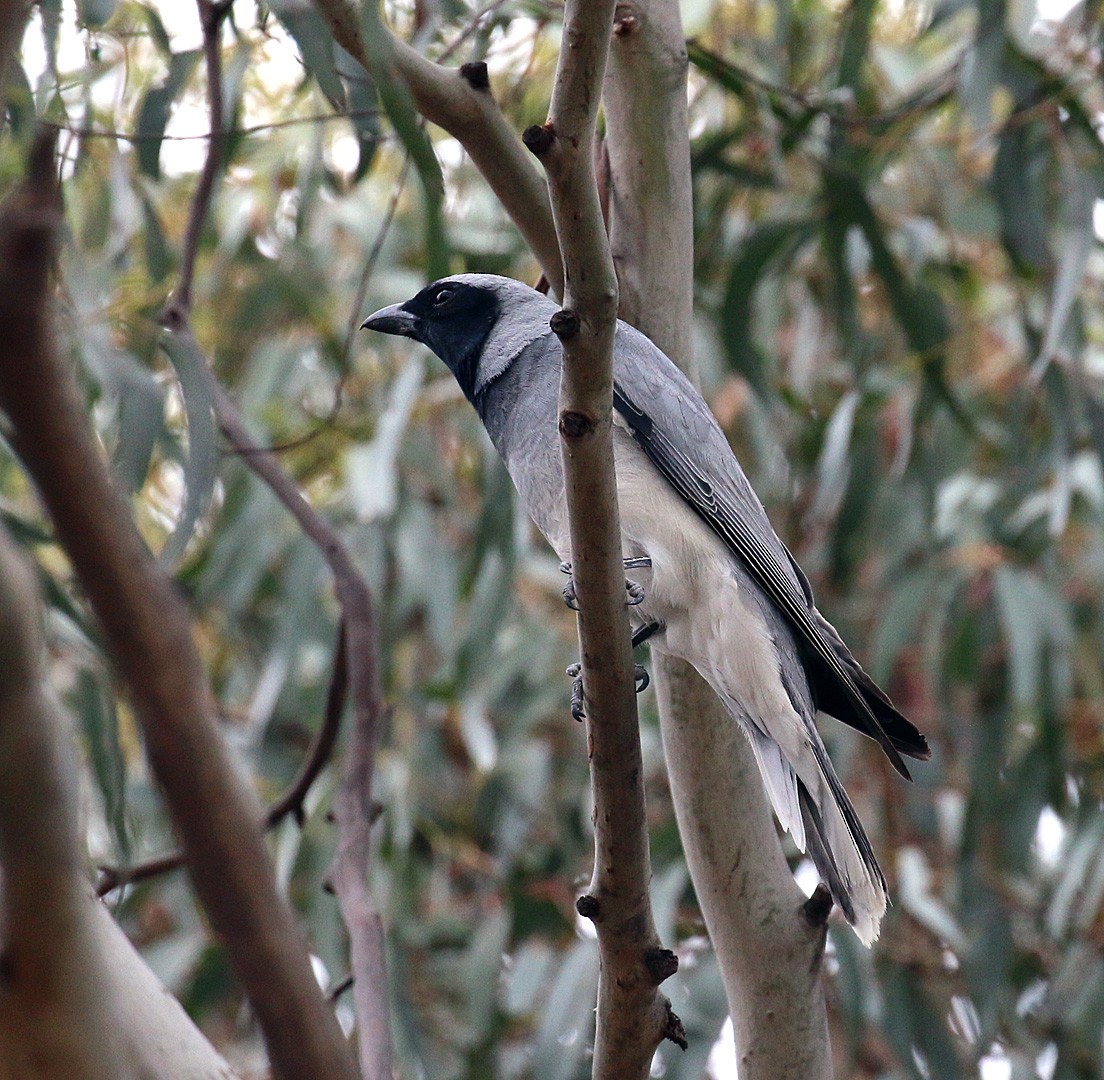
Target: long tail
{"points": [[840, 850], [817, 813]]}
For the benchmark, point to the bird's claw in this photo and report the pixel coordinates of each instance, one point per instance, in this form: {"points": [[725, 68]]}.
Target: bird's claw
{"points": [[634, 589], [575, 673]]}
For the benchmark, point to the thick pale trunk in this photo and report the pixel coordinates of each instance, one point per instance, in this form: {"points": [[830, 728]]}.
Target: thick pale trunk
{"points": [[770, 957]]}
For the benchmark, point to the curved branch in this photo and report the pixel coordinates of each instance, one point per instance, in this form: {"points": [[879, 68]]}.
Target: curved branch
{"points": [[466, 110], [354, 809], [291, 802], [148, 631], [633, 1017]]}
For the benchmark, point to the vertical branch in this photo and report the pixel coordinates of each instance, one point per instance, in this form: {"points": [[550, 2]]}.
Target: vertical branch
{"points": [[633, 1017], [55, 1020], [211, 15], [768, 953]]}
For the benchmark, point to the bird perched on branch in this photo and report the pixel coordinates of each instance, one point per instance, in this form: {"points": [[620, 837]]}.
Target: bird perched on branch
{"points": [[720, 590]]}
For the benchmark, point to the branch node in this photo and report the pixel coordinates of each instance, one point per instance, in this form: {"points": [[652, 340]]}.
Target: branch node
{"points": [[173, 316], [565, 323], [574, 425], [588, 906], [818, 907], [538, 138], [673, 1029], [625, 20], [661, 964], [475, 75]]}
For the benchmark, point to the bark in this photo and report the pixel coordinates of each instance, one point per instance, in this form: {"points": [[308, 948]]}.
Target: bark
{"points": [[70, 975], [148, 632], [56, 1021], [770, 957], [632, 1016]]}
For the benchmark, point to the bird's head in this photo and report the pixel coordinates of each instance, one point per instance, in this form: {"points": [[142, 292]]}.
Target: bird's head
{"points": [[476, 323]]}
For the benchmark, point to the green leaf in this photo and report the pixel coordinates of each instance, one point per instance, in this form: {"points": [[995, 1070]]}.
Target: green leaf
{"points": [[1074, 243], [363, 111], [202, 461], [141, 421], [158, 33], [567, 1016], [316, 46], [157, 250], [1033, 616], [100, 724], [1019, 187], [153, 116], [371, 473], [768, 245], [856, 43], [399, 106]]}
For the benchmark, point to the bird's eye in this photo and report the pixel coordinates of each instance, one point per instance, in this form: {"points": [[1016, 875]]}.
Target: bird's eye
{"points": [[442, 295]]}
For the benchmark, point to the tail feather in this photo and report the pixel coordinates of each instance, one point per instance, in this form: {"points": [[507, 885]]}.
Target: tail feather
{"points": [[823, 823], [841, 852]]}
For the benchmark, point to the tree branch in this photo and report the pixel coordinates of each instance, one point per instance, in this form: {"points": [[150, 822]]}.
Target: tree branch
{"points": [[354, 809], [356, 659], [55, 1021], [446, 98], [211, 15], [148, 631], [291, 802], [633, 1017], [770, 956]]}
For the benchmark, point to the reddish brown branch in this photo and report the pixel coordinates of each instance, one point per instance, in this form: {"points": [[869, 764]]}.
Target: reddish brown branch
{"points": [[148, 632], [211, 15], [354, 811], [632, 1016]]}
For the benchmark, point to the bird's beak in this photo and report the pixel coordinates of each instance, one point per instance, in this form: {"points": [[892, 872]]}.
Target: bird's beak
{"points": [[393, 320]]}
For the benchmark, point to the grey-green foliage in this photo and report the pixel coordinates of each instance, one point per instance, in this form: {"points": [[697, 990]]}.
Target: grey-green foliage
{"points": [[899, 323]]}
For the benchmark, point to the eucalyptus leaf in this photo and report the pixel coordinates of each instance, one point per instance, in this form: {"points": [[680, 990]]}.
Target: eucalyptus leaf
{"points": [[201, 464]]}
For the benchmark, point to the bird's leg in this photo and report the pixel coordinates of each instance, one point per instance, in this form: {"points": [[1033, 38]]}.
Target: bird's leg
{"points": [[575, 673], [633, 588], [640, 674]]}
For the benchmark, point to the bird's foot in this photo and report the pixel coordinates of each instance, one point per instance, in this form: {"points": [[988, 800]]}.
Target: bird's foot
{"points": [[575, 673], [634, 589]]}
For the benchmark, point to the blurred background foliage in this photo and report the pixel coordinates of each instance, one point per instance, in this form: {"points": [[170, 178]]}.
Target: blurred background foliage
{"points": [[899, 209]]}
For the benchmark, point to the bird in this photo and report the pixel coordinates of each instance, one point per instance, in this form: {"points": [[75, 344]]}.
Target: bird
{"points": [[719, 588]]}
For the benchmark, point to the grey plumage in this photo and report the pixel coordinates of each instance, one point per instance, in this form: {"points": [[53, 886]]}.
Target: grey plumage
{"points": [[730, 597]]}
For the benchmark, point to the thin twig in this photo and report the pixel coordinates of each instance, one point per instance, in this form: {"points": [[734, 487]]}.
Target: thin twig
{"points": [[354, 810], [204, 136], [211, 15], [291, 802], [443, 96]]}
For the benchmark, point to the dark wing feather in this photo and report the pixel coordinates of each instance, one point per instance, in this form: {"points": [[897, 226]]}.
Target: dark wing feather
{"points": [[721, 495]]}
